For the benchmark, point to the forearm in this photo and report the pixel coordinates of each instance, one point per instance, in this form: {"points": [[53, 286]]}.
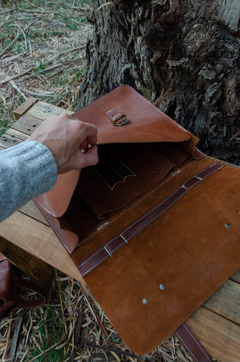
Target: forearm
{"points": [[26, 171]]}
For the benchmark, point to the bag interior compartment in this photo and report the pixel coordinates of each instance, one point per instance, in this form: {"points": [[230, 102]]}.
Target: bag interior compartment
{"points": [[124, 172]]}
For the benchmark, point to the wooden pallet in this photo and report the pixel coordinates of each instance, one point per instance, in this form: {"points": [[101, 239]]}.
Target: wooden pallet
{"points": [[216, 323]]}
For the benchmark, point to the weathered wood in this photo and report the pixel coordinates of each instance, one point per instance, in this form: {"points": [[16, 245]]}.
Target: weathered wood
{"points": [[38, 270], [219, 336], [24, 107], [236, 276], [9, 141], [226, 301], [44, 110], [31, 210], [26, 124], [39, 240], [16, 134]]}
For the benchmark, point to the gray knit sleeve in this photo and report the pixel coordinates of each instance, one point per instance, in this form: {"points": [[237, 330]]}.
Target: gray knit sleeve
{"points": [[26, 171]]}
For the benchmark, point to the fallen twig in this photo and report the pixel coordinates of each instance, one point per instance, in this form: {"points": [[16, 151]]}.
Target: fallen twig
{"points": [[108, 3], [14, 40], [93, 311], [14, 57], [14, 340], [17, 89], [115, 350], [16, 76], [7, 10], [60, 296], [8, 337]]}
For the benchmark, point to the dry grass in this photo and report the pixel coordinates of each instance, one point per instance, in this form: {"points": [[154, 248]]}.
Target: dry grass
{"points": [[47, 333], [42, 54]]}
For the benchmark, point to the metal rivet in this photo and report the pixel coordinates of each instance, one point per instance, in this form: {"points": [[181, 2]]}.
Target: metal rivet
{"points": [[162, 287], [144, 301], [228, 226]]}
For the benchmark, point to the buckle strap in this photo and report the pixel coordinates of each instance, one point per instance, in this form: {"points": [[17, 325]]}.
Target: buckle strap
{"points": [[90, 263]]}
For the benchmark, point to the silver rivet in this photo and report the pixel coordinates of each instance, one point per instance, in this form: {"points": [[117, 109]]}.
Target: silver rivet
{"points": [[144, 301], [162, 287], [228, 226]]}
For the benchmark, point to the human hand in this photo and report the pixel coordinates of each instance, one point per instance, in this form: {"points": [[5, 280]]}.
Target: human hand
{"points": [[72, 142]]}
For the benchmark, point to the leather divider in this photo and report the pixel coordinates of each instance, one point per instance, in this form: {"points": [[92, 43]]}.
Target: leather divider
{"points": [[90, 263], [192, 344]]}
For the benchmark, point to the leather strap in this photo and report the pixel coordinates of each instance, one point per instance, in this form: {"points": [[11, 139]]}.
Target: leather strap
{"points": [[90, 263], [24, 304], [192, 344]]}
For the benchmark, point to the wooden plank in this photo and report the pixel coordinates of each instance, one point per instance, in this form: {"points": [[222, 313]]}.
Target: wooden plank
{"points": [[24, 107], [8, 141], [39, 271], [16, 134], [236, 276], [26, 124], [40, 241], [30, 209], [219, 336], [44, 110], [226, 301]]}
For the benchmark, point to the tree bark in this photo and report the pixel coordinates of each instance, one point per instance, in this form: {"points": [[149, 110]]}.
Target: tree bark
{"points": [[182, 55]]}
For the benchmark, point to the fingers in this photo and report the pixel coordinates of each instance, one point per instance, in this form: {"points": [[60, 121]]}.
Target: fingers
{"points": [[89, 158]]}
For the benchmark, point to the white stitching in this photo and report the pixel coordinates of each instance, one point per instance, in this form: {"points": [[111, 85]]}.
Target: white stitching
{"points": [[102, 260], [124, 238], [197, 342], [186, 346], [151, 210], [91, 256], [107, 251], [157, 215]]}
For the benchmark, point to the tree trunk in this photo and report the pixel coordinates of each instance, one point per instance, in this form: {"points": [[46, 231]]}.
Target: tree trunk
{"points": [[182, 55]]}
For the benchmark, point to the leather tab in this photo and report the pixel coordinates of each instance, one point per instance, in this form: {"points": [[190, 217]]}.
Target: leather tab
{"points": [[117, 118]]}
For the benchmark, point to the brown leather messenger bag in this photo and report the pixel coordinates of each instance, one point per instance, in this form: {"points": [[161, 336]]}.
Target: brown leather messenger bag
{"points": [[154, 227]]}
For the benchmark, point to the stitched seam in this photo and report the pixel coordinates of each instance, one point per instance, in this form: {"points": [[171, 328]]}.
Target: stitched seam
{"points": [[119, 246], [101, 261], [157, 215], [90, 257], [201, 152], [197, 342], [186, 346], [150, 211], [138, 202]]}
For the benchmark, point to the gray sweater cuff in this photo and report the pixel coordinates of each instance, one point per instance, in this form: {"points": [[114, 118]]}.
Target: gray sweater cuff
{"points": [[26, 171]]}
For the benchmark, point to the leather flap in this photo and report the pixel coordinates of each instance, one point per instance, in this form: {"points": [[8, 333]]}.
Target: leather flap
{"points": [[147, 124]]}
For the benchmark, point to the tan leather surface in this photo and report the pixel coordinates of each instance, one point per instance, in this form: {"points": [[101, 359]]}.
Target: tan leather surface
{"points": [[188, 248], [147, 124], [51, 202]]}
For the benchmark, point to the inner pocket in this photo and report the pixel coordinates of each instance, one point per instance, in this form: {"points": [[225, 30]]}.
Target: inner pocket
{"points": [[112, 171], [124, 172]]}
